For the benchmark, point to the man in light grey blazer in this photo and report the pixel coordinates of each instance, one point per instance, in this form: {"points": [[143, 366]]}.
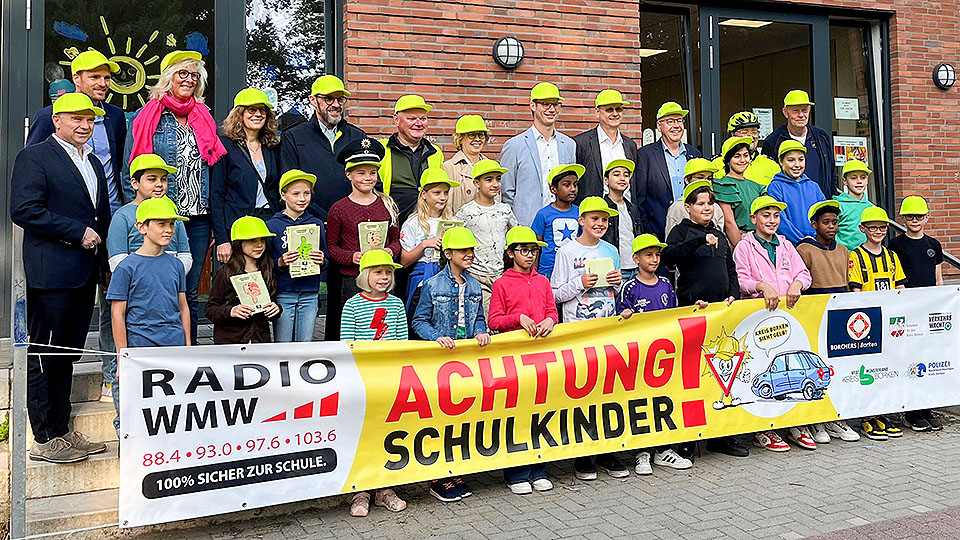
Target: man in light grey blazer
{"points": [[529, 156]]}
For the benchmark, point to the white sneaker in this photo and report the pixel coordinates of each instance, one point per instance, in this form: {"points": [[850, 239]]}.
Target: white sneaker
{"points": [[669, 458], [521, 488], [820, 435], [106, 394], [643, 464], [801, 436], [840, 430], [542, 484]]}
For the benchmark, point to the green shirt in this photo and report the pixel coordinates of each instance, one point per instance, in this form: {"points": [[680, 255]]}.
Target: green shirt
{"points": [[761, 169], [848, 232], [739, 194], [770, 246]]}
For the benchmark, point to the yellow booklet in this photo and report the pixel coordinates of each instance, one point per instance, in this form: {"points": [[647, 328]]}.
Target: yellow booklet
{"points": [[600, 267], [252, 290], [303, 239]]}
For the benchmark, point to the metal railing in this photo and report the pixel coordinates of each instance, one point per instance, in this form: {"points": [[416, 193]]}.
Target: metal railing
{"points": [[947, 257]]}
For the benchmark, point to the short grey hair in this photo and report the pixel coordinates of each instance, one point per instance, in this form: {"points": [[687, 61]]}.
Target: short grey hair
{"points": [[165, 82]]}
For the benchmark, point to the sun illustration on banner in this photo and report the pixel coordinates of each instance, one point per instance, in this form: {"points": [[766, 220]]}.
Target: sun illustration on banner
{"points": [[132, 81], [725, 356]]}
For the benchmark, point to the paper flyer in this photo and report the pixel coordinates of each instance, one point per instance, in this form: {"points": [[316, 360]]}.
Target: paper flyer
{"points": [[303, 239], [373, 235], [600, 267], [846, 148], [252, 290]]}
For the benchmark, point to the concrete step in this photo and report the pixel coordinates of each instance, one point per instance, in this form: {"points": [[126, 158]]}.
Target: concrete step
{"points": [[92, 418], [98, 472], [70, 512], [87, 381]]}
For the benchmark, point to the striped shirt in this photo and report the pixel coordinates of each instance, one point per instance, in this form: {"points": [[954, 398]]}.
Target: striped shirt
{"points": [[364, 319], [875, 272]]}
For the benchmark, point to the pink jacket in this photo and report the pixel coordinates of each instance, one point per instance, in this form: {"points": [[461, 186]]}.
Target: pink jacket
{"points": [[516, 294], [754, 266]]}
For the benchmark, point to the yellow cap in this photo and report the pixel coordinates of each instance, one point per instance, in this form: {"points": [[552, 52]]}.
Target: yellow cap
{"points": [[471, 123], [544, 91], [485, 166], [853, 165], [914, 206], [646, 240], [693, 186], [874, 213], [412, 101], [459, 238], [610, 97], [177, 56], [251, 96], [377, 257], [732, 142], [523, 235], [294, 175], [796, 97], [790, 145], [596, 204], [149, 161], [671, 107], [75, 102], [823, 204], [696, 165], [766, 201], [92, 59], [619, 163], [561, 170], [326, 85], [432, 176], [158, 208], [249, 228]]}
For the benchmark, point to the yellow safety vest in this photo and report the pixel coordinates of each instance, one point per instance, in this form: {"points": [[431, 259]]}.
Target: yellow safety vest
{"points": [[761, 170], [434, 161]]}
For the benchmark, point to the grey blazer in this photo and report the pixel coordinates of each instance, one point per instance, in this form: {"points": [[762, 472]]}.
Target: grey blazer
{"points": [[521, 187]]}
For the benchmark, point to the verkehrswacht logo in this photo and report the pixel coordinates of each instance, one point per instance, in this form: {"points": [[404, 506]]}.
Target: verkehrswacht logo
{"points": [[940, 322], [854, 331]]}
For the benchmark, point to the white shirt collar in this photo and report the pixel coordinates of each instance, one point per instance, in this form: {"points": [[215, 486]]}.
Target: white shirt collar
{"points": [[539, 136], [71, 149], [605, 139]]}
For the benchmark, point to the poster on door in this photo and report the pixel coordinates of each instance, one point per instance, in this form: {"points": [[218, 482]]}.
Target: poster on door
{"points": [[847, 148]]}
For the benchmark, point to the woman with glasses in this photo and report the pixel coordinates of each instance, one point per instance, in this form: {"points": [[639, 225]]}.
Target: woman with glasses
{"points": [[177, 126], [246, 181], [470, 140]]}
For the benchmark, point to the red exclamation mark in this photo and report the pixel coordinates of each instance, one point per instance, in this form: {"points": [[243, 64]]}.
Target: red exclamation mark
{"points": [[694, 330]]}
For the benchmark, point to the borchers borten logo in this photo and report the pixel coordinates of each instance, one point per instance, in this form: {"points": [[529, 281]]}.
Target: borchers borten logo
{"points": [[853, 332]]}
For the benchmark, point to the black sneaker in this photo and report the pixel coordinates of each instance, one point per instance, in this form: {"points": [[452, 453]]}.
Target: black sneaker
{"points": [[444, 490], [612, 466], [916, 421], [932, 419], [584, 469], [729, 446], [687, 450], [462, 487], [890, 425]]}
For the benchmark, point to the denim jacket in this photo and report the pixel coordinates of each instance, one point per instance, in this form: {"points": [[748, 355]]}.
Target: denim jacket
{"points": [[165, 146], [436, 314]]}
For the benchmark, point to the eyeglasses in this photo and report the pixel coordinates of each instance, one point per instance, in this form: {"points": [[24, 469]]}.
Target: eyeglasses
{"points": [[914, 217], [330, 100], [875, 228], [548, 104], [672, 121], [193, 75], [610, 110], [257, 110], [526, 252], [476, 135]]}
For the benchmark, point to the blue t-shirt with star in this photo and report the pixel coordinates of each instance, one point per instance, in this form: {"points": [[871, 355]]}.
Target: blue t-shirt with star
{"points": [[557, 227]]}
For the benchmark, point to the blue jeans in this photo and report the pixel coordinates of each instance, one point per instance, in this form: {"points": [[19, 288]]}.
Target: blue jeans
{"points": [[524, 473], [299, 317], [198, 236]]}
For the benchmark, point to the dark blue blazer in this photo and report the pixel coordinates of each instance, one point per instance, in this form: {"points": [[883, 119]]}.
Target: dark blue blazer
{"points": [[49, 199], [233, 186], [114, 121], [650, 187]]}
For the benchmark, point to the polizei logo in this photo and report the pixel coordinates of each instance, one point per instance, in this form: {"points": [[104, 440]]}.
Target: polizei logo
{"points": [[854, 331], [201, 408]]}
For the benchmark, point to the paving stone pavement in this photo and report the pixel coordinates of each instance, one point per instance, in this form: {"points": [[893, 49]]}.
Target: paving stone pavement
{"points": [[906, 488]]}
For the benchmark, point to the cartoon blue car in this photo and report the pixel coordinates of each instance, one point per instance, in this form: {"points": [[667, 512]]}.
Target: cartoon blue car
{"points": [[791, 372]]}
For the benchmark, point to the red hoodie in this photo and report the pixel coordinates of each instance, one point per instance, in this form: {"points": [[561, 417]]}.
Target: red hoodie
{"points": [[516, 294]]}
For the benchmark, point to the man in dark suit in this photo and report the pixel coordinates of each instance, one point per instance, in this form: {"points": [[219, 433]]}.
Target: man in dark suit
{"points": [[598, 147], [658, 177], [92, 72], [58, 194]]}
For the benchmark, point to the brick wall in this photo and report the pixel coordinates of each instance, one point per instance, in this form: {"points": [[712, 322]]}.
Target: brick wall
{"points": [[443, 51]]}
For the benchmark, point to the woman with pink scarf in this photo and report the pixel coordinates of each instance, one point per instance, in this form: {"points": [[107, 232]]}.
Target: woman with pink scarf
{"points": [[177, 126]]}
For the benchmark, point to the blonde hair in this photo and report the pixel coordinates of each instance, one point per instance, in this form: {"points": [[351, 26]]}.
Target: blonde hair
{"points": [[388, 201], [232, 127], [363, 279], [423, 213], [165, 82]]}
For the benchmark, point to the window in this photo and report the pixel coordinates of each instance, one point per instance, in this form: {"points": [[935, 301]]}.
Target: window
{"points": [[135, 35], [666, 69]]}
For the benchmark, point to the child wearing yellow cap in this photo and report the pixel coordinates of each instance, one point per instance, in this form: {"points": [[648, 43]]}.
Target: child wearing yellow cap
{"points": [[922, 257], [148, 288], [419, 241], [794, 187], [853, 201], [629, 223], [234, 322], [696, 169], [556, 223], [734, 191]]}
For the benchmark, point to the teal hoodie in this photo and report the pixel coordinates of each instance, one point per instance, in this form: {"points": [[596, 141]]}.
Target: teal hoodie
{"points": [[849, 233]]}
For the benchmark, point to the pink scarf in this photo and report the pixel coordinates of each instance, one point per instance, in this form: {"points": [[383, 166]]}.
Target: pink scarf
{"points": [[198, 118]]}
